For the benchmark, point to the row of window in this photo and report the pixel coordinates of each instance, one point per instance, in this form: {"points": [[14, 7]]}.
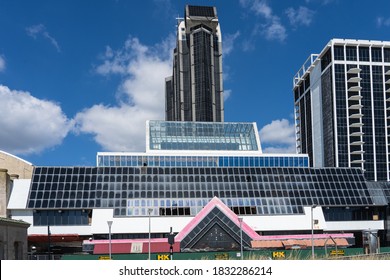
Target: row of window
{"points": [[193, 161], [354, 53], [82, 181], [352, 195], [61, 217], [105, 171], [351, 214], [187, 190], [184, 208]]}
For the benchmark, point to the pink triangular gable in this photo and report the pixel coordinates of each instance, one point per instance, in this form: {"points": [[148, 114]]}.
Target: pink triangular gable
{"points": [[215, 202]]}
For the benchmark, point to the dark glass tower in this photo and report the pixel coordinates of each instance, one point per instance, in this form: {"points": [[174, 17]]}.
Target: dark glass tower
{"points": [[342, 107], [194, 92]]}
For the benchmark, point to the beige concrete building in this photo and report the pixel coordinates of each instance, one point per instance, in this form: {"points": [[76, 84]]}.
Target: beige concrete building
{"points": [[23, 169], [13, 239], [11, 167], [13, 233]]}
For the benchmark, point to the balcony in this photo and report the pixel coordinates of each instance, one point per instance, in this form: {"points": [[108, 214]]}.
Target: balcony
{"points": [[355, 97], [359, 161], [354, 80], [356, 106], [356, 116], [356, 125], [354, 89], [354, 71], [356, 134], [357, 143], [357, 152]]}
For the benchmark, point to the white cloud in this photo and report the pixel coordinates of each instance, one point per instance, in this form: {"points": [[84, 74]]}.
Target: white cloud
{"points": [[228, 42], [40, 30], [2, 63], [322, 2], [278, 137], [28, 124], [272, 29], [120, 128], [141, 95], [226, 94], [381, 21], [280, 149], [262, 8], [300, 16]]}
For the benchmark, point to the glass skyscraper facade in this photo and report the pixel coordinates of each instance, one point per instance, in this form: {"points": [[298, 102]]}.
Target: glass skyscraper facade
{"points": [[194, 92], [342, 107]]}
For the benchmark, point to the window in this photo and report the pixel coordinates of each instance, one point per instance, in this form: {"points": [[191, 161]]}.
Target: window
{"points": [[364, 54], [351, 53], [376, 54], [338, 52], [18, 250], [386, 52]]}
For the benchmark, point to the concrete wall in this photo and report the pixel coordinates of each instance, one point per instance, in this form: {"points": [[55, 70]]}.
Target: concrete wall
{"points": [[16, 166], [5, 190], [11, 167], [13, 239]]}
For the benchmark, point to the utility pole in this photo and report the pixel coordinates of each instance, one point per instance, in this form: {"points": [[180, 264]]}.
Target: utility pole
{"points": [[49, 242]]}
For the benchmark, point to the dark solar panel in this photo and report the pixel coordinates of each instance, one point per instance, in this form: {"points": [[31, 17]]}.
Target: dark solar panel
{"points": [[185, 190], [201, 11], [377, 191], [385, 186]]}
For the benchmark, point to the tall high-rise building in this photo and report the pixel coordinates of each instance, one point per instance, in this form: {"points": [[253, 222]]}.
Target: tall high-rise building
{"points": [[342, 107], [194, 92]]}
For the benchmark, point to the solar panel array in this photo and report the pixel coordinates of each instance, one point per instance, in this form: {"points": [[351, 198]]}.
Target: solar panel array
{"points": [[168, 191], [386, 190], [201, 11]]}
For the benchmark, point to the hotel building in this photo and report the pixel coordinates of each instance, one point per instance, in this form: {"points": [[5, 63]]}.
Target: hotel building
{"points": [[342, 107], [194, 92]]}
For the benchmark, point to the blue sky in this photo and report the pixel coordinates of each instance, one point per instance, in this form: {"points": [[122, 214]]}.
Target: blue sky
{"points": [[78, 77]]}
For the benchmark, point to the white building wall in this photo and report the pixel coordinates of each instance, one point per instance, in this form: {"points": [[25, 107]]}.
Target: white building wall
{"points": [[163, 224], [19, 194], [257, 223], [316, 105], [355, 225], [287, 222], [135, 224]]}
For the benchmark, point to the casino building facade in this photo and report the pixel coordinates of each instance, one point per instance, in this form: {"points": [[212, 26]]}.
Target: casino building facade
{"points": [[202, 179], [186, 165]]}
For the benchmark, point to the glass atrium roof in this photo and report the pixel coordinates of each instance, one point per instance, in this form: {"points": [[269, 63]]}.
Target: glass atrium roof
{"points": [[163, 135]]}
